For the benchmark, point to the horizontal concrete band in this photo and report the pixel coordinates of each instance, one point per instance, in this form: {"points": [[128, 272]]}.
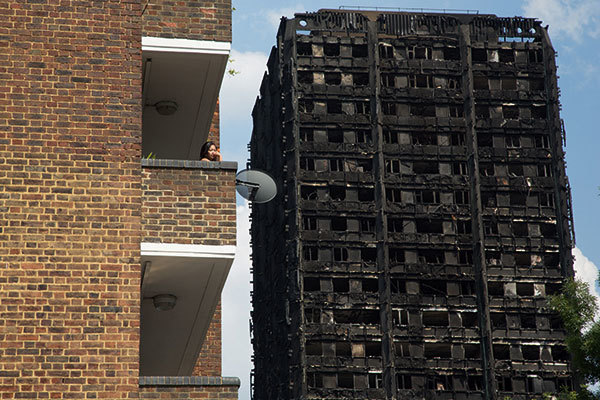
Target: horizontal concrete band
{"points": [[156, 163], [188, 381]]}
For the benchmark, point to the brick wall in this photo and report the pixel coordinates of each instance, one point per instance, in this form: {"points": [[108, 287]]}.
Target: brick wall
{"points": [[192, 205], [180, 388], [191, 19], [70, 198], [213, 133], [209, 359]]}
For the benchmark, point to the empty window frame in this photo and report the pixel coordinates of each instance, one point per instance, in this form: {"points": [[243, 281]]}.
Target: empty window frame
{"points": [[306, 135], [546, 199], [398, 286], [422, 110], [341, 285], [402, 349], [509, 83], [426, 167], [484, 140], [307, 164], [309, 223], [367, 225], [404, 381], [504, 383], [423, 139], [310, 253], [512, 141], [480, 83], [400, 317], [312, 284], [396, 255], [337, 193], [433, 287], [331, 49], [360, 79], [460, 168], [528, 322], [530, 352], [356, 316], [506, 55], [368, 254], [420, 81], [308, 192], [386, 50], [429, 226], [427, 197], [304, 49], [463, 227], [430, 256], [544, 170], [435, 318], [510, 112], [339, 224], [465, 257], [340, 254], [498, 320], [305, 77], [333, 78], [451, 53], [306, 106], [312, 315], [437, 350], [456, 111], [390, 137], [478, 55], [360, 51], [420, 52], [395, 225], [461, 197], [366, 194], [520, 229], [393, 195]]}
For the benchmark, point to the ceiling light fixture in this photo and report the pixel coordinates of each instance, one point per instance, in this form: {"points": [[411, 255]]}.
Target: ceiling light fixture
{"points": [[164, 302], [166, 107]]}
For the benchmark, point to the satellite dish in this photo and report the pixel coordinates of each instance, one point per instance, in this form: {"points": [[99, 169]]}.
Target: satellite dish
{"points": [[255, 185]]}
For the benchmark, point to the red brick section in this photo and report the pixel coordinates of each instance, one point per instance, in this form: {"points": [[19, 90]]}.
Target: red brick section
{"points": [[188, 205], [213, 133], [70, 198], [196, 20], [188, 392], [209, 359]]}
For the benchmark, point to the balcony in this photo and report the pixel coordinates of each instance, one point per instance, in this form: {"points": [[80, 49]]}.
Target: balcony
{"points": [[187, 248]]}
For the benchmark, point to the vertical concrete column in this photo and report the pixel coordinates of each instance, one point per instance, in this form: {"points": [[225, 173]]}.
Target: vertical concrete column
{"points": [[479, 266], [387, 341]]}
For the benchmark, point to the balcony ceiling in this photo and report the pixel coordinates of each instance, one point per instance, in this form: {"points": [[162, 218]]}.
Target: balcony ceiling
{"points": [[195, 274], [189, 73]]}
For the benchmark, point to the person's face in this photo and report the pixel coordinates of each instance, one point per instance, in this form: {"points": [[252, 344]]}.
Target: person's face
{"points": [[212, 152]]}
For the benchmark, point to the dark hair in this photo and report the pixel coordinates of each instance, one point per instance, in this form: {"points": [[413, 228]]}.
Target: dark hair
{"points": [[204, 149]]}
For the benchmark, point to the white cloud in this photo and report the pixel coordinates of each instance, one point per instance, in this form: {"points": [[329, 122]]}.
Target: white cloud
{"points": [[573, 18], [586, 271], [236, 308], [274, 16]]}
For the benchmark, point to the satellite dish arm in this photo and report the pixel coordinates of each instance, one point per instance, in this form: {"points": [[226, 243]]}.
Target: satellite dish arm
{"points": [[253, 187]]}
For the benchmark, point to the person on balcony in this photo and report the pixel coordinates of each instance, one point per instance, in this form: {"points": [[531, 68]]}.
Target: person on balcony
{"points": [[209, 152]]}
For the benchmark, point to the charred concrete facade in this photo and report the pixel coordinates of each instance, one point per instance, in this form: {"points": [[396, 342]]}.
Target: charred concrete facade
{"points": [[423, 215]]}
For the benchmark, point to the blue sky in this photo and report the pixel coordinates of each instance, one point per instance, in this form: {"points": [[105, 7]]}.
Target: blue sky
{"points": [[574, 31]]}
